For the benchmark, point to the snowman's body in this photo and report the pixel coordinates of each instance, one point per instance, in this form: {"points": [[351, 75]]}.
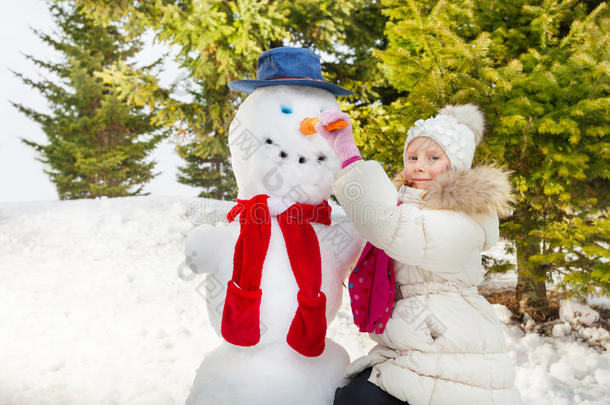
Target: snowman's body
{"points": [[270, 156]]}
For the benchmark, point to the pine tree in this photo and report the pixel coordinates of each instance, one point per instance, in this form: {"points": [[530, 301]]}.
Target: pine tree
{"points": [[97, 144], [219, 42], [539, 70]]}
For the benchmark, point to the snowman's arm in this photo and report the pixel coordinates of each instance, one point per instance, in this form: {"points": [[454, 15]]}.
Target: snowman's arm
{"points": [[206, 245]]}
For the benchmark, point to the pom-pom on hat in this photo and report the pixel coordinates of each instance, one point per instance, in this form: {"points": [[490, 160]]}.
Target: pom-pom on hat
{"points": [[457, 129]]}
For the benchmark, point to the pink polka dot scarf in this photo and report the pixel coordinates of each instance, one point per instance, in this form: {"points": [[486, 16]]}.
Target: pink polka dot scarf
{"points": [[371, 289]]}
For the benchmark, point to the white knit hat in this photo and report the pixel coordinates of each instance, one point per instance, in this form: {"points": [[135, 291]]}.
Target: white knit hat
{"points": [[457, 129]]}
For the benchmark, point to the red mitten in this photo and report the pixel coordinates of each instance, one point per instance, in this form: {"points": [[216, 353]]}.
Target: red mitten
{"points": [[308, 329], [241, 316]]}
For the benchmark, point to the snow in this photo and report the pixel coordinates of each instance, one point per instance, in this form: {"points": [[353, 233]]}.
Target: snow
{"points": [[561, 330], [603, 302], [92, 310], [558, 370], [577, 314], [503, 313]]}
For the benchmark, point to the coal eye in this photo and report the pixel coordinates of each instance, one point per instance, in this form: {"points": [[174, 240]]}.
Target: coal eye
{"points": [[321, 158], [286, 110], [269, 141]]}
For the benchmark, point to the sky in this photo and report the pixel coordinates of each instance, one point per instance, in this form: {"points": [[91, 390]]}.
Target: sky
{"points": [[21, 176]]}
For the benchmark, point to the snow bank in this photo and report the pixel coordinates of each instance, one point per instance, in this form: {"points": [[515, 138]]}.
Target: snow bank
{"points": [[577, 314], [558, 370], [91, 308], [92, 311], [603, 302]]}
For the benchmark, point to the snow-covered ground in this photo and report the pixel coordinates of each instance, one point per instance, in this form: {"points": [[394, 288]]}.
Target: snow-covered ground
{"points": [[93, 311]]}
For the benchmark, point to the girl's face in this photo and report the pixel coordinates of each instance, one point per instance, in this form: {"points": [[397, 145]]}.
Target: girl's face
{"points": [[425, 160]]}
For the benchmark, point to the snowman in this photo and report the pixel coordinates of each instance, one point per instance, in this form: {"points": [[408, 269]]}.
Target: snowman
{"points": [[274, 273]]}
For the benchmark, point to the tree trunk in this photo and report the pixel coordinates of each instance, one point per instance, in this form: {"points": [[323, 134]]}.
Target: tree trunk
{"points": [[531, 288]]}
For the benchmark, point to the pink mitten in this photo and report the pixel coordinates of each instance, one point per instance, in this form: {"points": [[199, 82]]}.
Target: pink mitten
{"points": [[340, 140]]}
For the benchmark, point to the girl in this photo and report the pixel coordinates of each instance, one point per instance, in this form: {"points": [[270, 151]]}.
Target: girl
{"points": [[443, 343]]}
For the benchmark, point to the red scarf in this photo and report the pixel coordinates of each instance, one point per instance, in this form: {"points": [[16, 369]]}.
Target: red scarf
{"points": [[241, 314]]}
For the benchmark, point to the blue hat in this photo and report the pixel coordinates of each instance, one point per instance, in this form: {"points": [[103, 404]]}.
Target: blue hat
{"points": [[286, 65]]}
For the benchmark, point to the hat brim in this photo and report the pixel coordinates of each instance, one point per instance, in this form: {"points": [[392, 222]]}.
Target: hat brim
{"points": [[248, 86]]}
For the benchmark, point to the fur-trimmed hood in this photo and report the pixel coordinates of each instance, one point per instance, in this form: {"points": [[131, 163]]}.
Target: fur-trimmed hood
{"points": [[480, 190]]}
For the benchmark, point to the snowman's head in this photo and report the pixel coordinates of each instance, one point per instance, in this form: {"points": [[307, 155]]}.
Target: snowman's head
{"points": [[270, 155]]}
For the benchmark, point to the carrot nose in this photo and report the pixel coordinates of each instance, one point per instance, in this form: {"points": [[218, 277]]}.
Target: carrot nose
{"points": [[308, 125]]}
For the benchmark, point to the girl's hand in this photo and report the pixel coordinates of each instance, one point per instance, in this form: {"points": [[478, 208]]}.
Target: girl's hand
{"points": [[340, 140]]}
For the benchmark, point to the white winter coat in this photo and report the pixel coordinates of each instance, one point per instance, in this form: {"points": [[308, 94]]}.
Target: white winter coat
{"points": [[443, 343]]}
